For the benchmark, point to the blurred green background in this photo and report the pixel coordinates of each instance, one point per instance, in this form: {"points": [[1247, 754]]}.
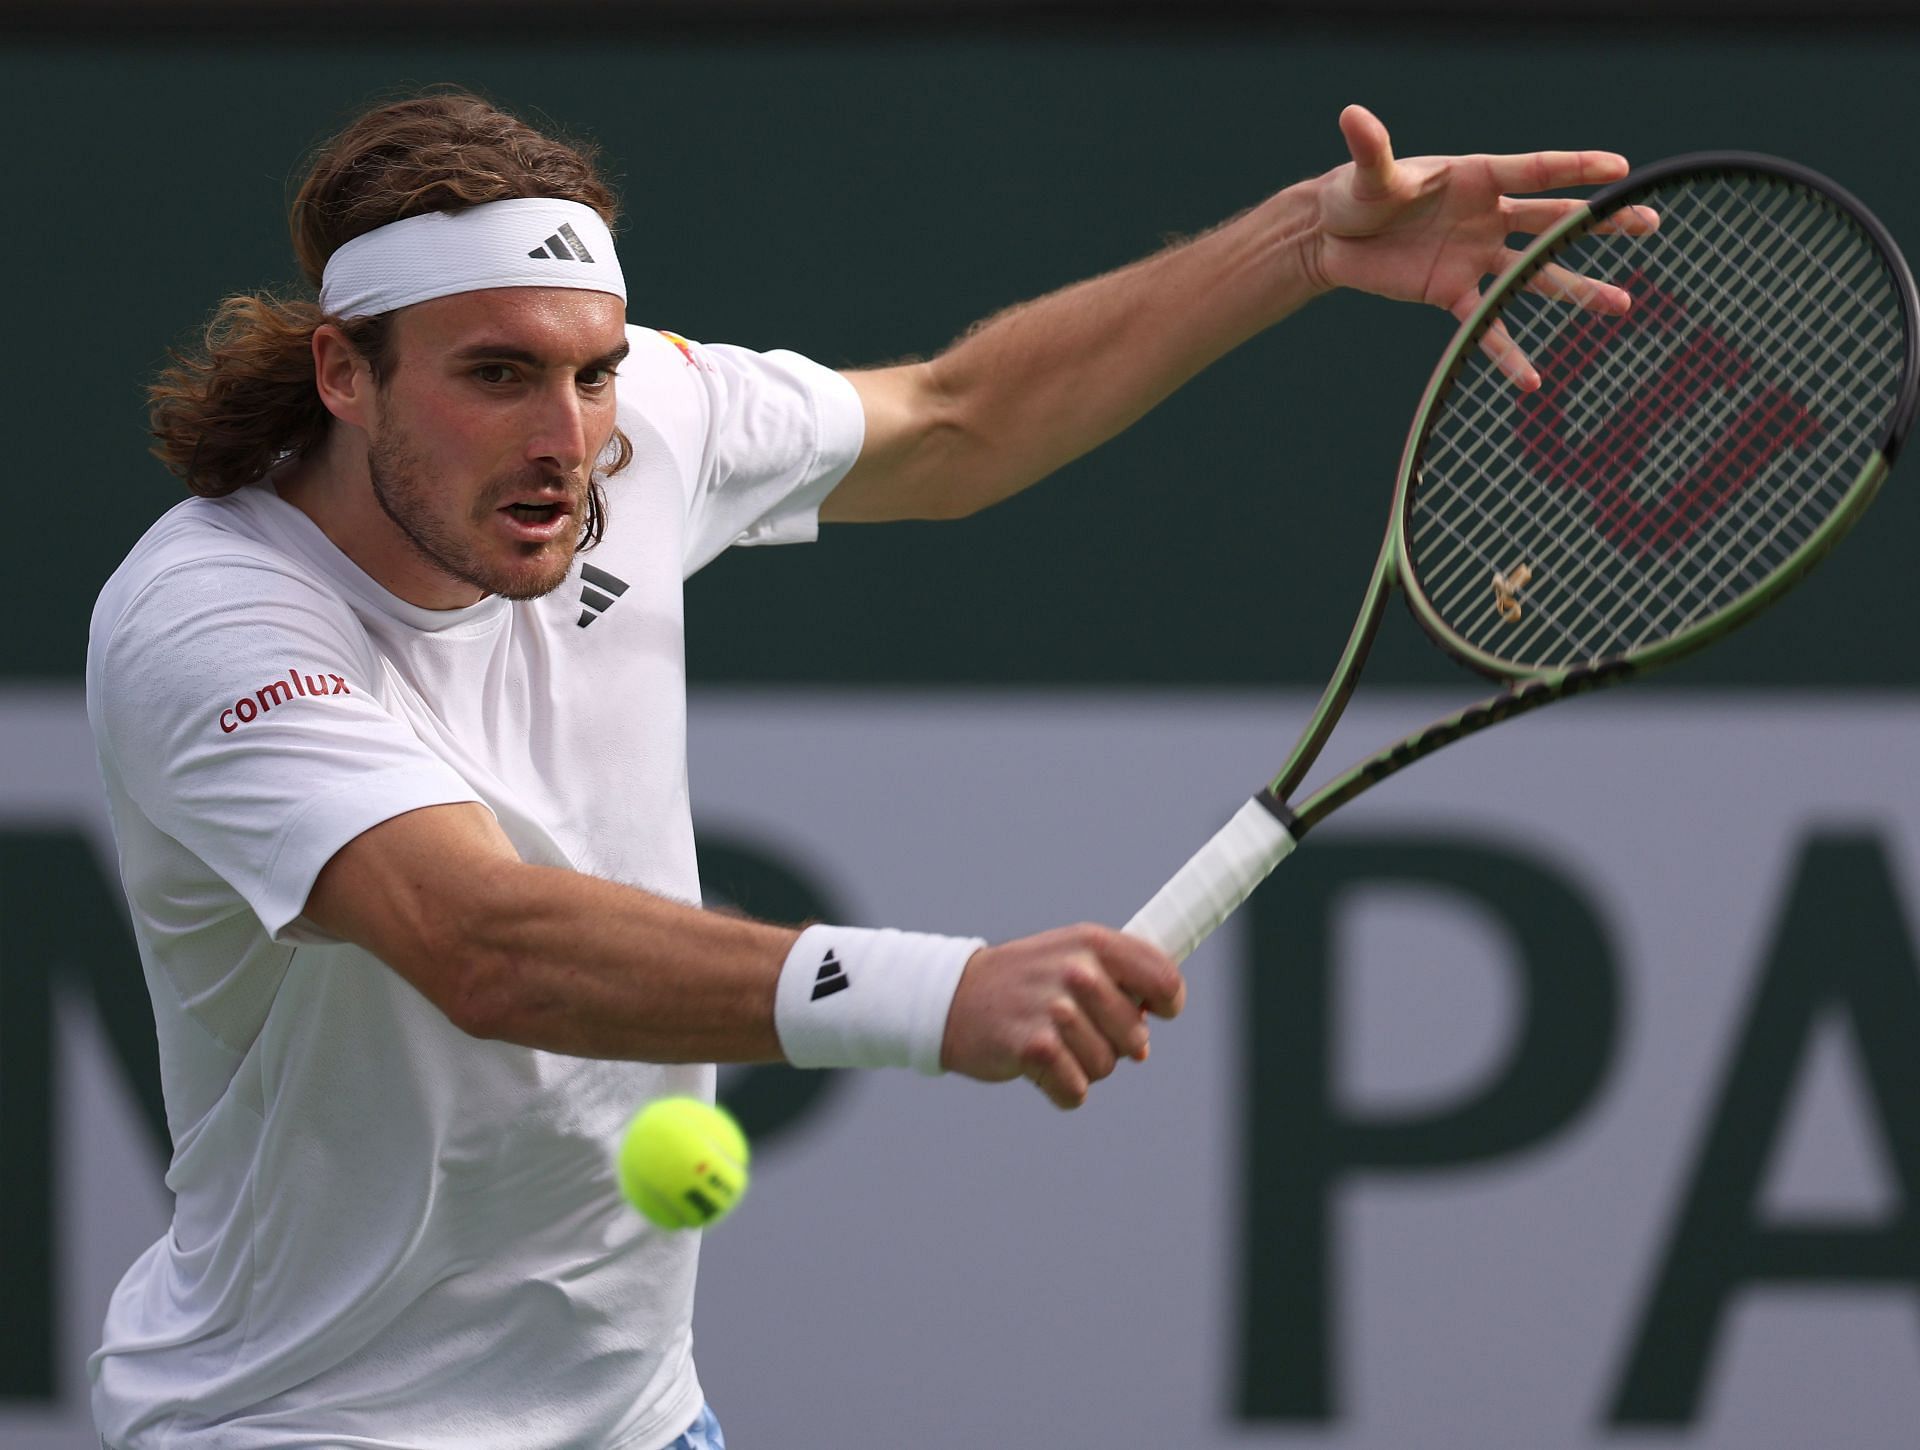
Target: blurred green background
{"points": [[863, 199]]}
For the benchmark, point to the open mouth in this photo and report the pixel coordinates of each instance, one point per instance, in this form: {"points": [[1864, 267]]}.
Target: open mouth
{"points": [[536, 513], [537, 520]]}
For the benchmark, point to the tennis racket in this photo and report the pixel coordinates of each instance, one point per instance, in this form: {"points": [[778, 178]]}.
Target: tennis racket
{"points": [[1678, 469]]}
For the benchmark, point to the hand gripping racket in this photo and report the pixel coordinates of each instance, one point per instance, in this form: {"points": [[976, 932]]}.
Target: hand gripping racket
{"points": [[1679, 467]]}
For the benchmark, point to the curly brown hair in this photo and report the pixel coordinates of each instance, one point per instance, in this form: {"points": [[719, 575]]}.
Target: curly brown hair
{"points": [[223, 415]]}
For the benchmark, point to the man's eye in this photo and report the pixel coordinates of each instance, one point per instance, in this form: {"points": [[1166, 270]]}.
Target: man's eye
{"points": [[596, 378], [494, 373]]}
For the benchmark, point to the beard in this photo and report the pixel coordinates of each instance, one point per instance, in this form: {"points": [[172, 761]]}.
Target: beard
{"points": [[414, 501]]}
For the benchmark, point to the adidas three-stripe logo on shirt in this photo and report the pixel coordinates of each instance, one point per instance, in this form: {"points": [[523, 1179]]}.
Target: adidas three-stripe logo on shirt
{"points": [[598, 590]]}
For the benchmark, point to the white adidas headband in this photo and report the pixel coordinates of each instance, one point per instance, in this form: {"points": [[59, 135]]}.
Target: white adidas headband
{"points": [[523, 242]]}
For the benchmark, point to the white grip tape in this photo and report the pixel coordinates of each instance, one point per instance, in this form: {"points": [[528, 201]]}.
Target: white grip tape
{"points": [[1206, 891]]}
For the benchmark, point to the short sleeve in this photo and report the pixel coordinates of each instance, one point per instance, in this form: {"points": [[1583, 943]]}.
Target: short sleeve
{"points": [[775, 433], [239, 707]]}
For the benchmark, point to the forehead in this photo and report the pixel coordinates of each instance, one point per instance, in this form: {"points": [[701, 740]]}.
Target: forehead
{"points": [[564, 324]]}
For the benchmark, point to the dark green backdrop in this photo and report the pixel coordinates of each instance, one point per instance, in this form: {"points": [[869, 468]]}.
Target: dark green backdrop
{"points": [[860, 200]]}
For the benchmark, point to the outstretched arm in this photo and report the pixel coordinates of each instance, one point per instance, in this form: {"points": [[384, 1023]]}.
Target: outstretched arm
{"points": [[1042, 383]]}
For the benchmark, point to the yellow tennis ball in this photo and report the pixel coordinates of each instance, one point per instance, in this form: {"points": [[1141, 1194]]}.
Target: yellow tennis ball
{"points": [[683, 1163]]}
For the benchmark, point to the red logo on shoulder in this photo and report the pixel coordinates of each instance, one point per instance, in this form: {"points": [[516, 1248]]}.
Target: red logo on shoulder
{"points": [[278, 692]]}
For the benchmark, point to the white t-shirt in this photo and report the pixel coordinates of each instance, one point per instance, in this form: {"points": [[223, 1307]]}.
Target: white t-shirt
{"points": [[388, 1233]]}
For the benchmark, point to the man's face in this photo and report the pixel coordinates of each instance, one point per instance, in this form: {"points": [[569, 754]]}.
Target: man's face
{"points": [[487, 431]]}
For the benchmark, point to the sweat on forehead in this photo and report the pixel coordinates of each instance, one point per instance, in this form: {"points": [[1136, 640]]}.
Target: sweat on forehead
{"points": [[522, 242]]}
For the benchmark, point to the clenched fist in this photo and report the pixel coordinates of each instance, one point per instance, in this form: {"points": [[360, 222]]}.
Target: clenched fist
{"points": [[1061, 1008]]}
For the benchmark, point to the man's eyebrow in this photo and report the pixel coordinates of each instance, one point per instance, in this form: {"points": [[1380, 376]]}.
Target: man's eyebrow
{"points": [[614, 358], [507, 352]]}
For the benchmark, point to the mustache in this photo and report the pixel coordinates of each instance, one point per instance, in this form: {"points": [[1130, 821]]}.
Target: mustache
{"points": [[538, 481]]}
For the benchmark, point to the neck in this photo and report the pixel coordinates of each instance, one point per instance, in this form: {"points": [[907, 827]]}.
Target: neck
{"points": [[334, 487]]}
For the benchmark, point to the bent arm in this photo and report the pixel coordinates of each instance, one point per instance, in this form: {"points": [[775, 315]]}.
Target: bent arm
{"points": [[546, 957], [553, 959]]}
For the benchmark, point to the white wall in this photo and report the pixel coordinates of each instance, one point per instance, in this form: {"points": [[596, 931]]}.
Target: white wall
{"points": [[941, 1264]]}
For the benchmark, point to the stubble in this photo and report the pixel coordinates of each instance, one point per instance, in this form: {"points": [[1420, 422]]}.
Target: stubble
{"points": [[407, 495]]}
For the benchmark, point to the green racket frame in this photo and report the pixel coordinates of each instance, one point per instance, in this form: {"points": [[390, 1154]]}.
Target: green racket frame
{"points": [[1266, 829], [1528, 689]]}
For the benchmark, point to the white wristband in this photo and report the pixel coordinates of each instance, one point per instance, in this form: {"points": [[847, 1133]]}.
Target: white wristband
{"points": [[850, 997]]}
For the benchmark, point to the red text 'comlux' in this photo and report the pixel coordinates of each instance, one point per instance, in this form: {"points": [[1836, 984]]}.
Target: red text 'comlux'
{"points": [[279, 692]]}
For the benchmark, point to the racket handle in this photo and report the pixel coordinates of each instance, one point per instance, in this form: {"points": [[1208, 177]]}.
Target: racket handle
{"points": [[1222, 874]]}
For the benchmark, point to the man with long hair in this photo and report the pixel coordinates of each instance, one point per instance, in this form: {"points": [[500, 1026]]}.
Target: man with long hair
{"points": [[404, 823]]}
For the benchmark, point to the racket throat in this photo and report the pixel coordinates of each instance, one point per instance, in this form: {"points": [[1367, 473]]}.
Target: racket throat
{"points": [[1281, 812], [1346, 675]]}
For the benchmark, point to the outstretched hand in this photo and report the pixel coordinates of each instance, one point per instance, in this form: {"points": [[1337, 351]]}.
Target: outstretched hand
{"points": [[1432, 228]]}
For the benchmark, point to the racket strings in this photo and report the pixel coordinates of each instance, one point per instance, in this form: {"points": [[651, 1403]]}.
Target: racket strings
{"points": [[1675, 458], [1607, 516], [1592, 565], [1833, 403], [1579, 583], [1782, 515]]}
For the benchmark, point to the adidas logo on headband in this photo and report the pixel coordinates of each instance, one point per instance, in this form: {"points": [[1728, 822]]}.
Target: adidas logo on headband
{"points": [[439, 253], [557, 249]]}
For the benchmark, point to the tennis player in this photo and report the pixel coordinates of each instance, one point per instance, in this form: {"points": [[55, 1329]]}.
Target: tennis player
{"points": [[390, 716]]}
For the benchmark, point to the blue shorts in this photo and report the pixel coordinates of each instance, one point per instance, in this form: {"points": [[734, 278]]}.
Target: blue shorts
{"points": [[702, 1434]]}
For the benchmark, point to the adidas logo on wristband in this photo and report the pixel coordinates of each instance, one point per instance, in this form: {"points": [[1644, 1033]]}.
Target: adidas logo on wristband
{"points": [[907, 982], [831, 978]]}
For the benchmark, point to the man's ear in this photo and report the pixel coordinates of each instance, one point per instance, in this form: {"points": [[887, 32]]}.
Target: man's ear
{"points": [[342, 377]]}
